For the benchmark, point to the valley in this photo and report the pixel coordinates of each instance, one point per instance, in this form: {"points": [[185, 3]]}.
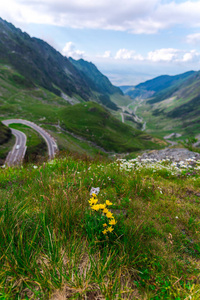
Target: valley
{"points": [[129, 113], [51, 112], [170, 104]]}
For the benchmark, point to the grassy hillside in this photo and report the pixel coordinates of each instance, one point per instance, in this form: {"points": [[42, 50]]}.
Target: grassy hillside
{"points": [[93, 122], [41, 65], [175, 109], [165, 117], [98, 82], [19, 99], [6, 142], [5, 134], [37, 105], [39, 62], [52, 244]]}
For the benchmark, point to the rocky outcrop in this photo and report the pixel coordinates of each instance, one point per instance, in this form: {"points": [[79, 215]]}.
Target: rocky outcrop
{"points": [[173, 154]]}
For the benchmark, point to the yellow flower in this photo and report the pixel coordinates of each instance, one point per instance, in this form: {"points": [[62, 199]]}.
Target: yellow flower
{"points": [[102, 206], [109, 215], [105, 211], [95, 207], [105, 225], [110, 229], [112, 222], [104, 231], [108, 202], [93, 201]]}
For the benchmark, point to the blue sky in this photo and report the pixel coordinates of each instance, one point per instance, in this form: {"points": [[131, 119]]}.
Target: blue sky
{"points": [[130, 41]]}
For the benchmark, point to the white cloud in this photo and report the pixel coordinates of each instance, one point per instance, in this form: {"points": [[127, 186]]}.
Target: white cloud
{"points": [[185, 13], [125, 54], [192, 56], [166, 55], [70, 50], [173, 55], [107, 54], [136, 16], [193, 38]]}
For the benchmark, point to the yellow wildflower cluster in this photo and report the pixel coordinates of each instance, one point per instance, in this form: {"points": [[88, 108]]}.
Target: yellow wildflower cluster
{"points": [[97, 207]]}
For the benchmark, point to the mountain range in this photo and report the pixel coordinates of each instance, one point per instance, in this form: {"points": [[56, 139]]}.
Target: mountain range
{"points": [[169, 103], [156, 86]]}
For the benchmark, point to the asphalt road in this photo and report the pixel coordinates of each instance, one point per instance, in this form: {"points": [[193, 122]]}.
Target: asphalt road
{"points": [[21, 143], [17, 154]]}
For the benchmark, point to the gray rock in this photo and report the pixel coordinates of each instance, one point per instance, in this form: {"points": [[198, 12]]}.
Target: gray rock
{"points": [[176, 154]]}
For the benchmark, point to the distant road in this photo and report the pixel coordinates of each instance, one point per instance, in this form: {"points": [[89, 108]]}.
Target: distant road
{"points": [[122, 115], [18, 151], [133, 113]]}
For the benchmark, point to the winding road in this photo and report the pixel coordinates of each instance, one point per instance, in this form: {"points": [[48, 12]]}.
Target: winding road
{"points": [[133, 112], [17, 154]]}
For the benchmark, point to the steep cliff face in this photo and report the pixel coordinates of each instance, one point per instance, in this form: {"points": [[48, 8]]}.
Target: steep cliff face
{"points": [[40, 63]]}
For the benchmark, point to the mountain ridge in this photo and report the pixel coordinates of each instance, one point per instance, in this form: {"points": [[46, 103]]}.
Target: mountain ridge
{"points": [[152, 87], [41, 64]]}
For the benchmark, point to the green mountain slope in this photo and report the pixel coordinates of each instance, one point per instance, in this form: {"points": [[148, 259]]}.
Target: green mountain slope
{"points": [[93, 122], [97, 81], [5, 134], [42, 65], [20, 99], [39, 62], [6, 142], [174, 109], [37, 105]]}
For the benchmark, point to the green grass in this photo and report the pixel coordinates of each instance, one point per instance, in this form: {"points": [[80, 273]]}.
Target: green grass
{"points": [[94, 123], [178, 114], [5, 148], [48, 249], [6, 142], [121, 100], [5, 134]]}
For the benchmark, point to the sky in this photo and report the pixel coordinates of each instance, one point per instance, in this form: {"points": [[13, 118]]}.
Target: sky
{"points": [[130, 41]]}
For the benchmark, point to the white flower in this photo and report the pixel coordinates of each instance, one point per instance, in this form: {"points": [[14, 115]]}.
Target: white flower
{"points": [[94, 191]]}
